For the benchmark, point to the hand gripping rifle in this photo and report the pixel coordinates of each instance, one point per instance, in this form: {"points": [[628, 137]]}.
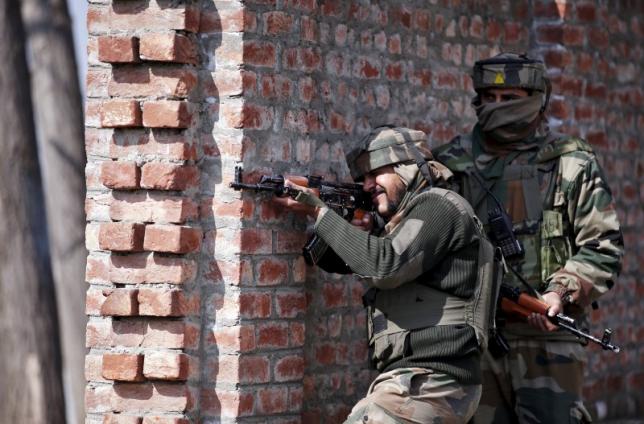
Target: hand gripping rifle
{"points": [[347, 199], [516, 303]]}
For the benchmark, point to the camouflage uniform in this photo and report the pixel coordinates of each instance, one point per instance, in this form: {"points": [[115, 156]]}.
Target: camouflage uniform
{"points": [[430, 268], [562, 211]]}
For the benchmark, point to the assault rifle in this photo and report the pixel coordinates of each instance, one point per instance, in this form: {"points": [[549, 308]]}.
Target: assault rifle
{"points": [[349, 200], [516, 303]]}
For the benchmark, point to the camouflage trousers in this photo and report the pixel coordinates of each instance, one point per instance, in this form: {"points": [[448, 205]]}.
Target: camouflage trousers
{"points": [[415, 395], [539, 381]]}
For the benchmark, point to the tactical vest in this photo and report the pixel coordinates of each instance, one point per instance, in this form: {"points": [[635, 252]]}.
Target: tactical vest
{"points": [[546, 232], [392, 314]]}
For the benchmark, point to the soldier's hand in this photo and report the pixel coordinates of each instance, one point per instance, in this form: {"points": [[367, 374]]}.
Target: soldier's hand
{"points": [[555, 306], [294, 205], [365, 223]]}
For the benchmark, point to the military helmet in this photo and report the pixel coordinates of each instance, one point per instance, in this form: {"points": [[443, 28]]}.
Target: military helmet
{"points": [[384, 146], [510, 70]]}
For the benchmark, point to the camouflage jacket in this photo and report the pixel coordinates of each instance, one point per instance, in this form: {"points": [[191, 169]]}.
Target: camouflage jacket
{"points": [[567, 224]]}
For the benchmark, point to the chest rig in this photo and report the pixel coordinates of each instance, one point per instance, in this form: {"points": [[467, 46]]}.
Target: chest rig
{"points": [[393, 314], [538, 213]]}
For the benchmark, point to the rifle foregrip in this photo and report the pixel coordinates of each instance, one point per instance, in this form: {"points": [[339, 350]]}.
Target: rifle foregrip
{"points": [[533, 304], [512, 308], [299, 180]]}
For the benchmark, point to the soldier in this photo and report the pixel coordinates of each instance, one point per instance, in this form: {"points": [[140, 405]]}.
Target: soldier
{"points": [[561, 210], [430, 269]]}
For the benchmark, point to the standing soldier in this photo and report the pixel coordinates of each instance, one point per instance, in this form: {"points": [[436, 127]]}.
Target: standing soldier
{"points": [[430, 267], [561, 211]]}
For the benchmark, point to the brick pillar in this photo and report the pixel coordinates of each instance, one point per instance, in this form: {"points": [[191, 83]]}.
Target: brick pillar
{"points": [[144, 234]]}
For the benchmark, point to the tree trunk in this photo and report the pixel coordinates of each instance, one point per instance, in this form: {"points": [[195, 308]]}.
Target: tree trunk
{"points": [[31, 389], [59, 123]]}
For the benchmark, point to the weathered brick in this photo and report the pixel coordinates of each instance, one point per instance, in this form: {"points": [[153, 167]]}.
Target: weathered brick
{"points": [[272, 335], [160, 302], [255, 305], [276, 23], [118, 49], [289, 368], [148, 419], [166, 114], [150, 268], [172, 239], [166, 366], [151, 207], [120, 114], [121, 175], [120, 302], [121, 419], [168, 176], [123, 367], [260, 53], [152, 81], [272, 400], [121, 236], [166, 397], [169, 47], [290, 305], [158, 144]]}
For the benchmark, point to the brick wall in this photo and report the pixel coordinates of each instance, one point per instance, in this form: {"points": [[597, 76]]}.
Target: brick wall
{"points": [[200, 304]]}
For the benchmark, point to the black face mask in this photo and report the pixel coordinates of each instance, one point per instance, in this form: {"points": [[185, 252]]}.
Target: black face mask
{"points": [[509, 121]]}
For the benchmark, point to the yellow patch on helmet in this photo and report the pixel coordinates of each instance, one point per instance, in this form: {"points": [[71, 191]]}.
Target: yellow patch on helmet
{"points": [[499, 79]]}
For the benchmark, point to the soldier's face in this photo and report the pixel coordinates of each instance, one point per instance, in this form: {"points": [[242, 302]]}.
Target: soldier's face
{"points": [[386, 188], [496, 95]]}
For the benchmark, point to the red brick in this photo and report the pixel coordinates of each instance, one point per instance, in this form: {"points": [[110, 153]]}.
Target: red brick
{"points": [[226, 403], [248, 115], [169, 47], [290, 241], [164, 420], [573, 35], [334, 295], [255, 305], [121, 419], [260, 53], [97, 334], [120, 114], [289, 368], [513, 32], [162, 144], [558, 58], [121, 236], [160, 302], [118, 49], [120, 175], [297, 334], [272, 400], [123, 367], [476, 27], [152, 81], [276, 23], [165, 366], [168, 176], [166, 397], [271, 272], [308, 29], [150, 268], [120, 302], [166, 114], [255, 241], [97, 399], [130, 16], [325, 354], [290, 305], [172, 239], [586, 12], [233, 339], [151, 207], [254, 369], [272, 335]]}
